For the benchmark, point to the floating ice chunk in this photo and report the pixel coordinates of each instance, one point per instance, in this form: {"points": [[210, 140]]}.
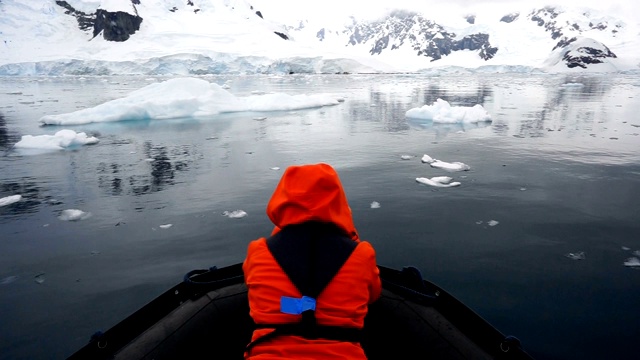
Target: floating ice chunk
{"points": [[406, 157], [572, 84], [632, 262], [165, 226], [63, 139], [236, 214], [275, 168], [454, 166], [493, 223], [438, 181], [73, 215], [636, 253], [39, 278], [260, 118], [375, 205], [626, 248], [8, 200], [442, 112], [186, 97], [576, 256], [427, 159]]}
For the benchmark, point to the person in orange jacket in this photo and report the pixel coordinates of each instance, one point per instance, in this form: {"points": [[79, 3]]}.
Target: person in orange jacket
{"points": [[310, 283]]}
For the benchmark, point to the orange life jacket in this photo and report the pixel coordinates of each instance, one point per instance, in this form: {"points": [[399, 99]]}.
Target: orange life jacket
{"points": [[310, 193]]}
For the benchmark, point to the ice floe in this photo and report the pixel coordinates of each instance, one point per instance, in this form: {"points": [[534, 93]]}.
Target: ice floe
{"points": [[632, 262], [8, 200], [576, 256], [438, 181], [375, 205], [73, 215], [493, 222], [449, 166], [186, 97], [442, 112], [236, 214], [63, 139], [165, 226]]}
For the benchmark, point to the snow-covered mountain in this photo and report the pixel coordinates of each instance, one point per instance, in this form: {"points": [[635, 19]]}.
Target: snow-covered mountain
{"points": [[103, 37]]}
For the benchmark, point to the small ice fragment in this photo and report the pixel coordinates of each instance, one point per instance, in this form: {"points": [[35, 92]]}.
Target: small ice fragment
{"points": [[165, 226], [626, 248], [576, 256], [39, 278], [479, 222], [493, 223], [406, 157], [632, 262], [437, 181], [259, 118], [427, 159], [149, 159], [212, 138], [275, 168], [636, 253], [454, 166], [236, 214], [375, 205], [73, 215], [523, 189], [8, 200]]}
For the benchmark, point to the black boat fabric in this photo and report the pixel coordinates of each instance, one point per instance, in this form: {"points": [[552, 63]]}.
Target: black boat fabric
{"points": [[310, 254]]}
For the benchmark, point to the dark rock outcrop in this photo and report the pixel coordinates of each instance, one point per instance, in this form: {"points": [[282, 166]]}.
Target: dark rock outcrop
{"points": [[510, 17], [425, 37], [116, 26], [582, 56], [85, 21], [471, 19]]}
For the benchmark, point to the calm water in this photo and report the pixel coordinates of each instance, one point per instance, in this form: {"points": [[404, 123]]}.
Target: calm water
{"points": [[558, 169]]}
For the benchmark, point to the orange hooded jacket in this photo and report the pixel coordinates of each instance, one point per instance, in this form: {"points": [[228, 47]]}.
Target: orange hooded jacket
{"points": [[310, 193]]}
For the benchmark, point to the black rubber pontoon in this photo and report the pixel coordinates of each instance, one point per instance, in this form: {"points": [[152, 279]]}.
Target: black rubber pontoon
{"points": [[207, 317]]}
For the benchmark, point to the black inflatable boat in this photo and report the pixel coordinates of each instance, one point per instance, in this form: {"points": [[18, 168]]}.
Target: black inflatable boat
{"points": [[207, 317]]}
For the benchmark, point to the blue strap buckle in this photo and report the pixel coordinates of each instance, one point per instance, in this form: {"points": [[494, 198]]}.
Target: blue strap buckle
{"points": [[296, 306]]}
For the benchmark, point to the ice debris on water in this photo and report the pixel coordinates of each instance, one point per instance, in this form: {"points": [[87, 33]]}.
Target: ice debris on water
{"points": [[73, 215], [8, 200], [406, 157], [8, 280], [236, 214], [438, 181], [493, 222], [275, 168], [165, 226], [576, 256], [375, 205], [453, 166], [39, 278], [633, 262]]}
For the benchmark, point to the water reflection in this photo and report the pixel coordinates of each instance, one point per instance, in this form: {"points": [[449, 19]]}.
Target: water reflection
{"points": [[7, 138], [32, 197], [158, 170]]}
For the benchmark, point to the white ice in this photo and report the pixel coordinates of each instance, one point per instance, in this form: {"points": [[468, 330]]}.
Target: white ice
{"points": [[375, 205], [73, 215], [449, 166], [438, 181], [632, 262], [236, 214], [186, 97], [8, 200], [63, 139], [442, 112]]}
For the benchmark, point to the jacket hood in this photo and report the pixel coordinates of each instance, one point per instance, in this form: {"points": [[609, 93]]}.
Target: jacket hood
{"points": [[310, 193]]}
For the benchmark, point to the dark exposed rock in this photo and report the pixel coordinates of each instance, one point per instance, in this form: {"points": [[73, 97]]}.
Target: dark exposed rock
{"points": [[320, 34], [564, 42], [510, 17], [585, 55], [471, 19], [116, 26], [284, 36], [85, 21], [425, 37], [259, 14]]}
